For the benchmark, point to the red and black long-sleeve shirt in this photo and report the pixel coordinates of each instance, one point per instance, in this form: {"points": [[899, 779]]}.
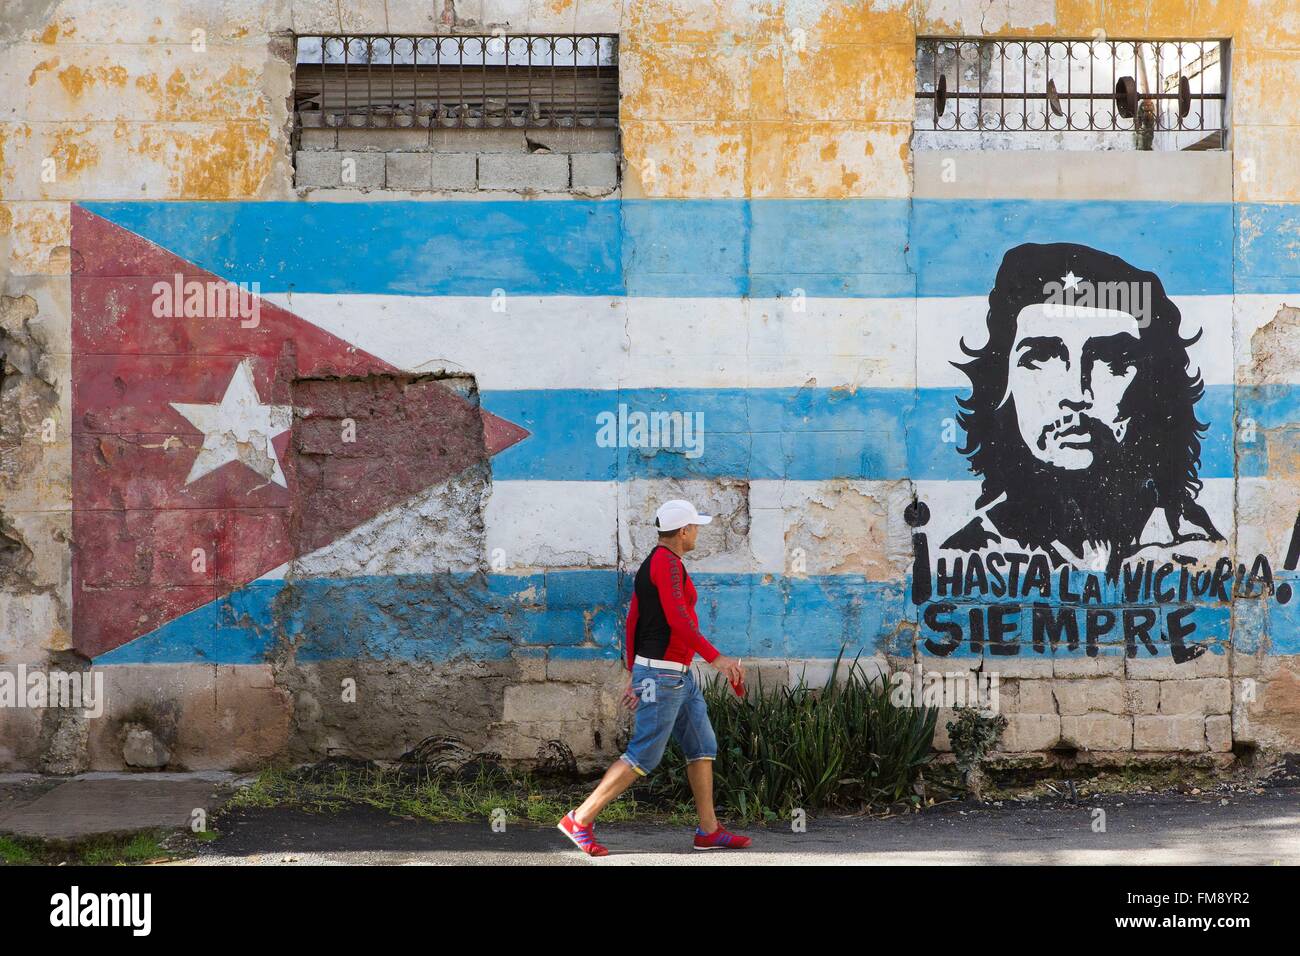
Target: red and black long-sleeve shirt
{"points": [[661, 623]]}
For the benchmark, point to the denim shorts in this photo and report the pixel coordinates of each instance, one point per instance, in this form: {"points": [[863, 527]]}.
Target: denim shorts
{"points": [[670, 704]]}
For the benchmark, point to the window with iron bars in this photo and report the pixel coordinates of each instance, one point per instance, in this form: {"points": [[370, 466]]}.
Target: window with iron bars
{"points": [[457, 82], [1118, 94]]}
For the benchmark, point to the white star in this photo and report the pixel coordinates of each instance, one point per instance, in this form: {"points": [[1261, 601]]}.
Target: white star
{"points": [[1071, 280], [239, 428]]}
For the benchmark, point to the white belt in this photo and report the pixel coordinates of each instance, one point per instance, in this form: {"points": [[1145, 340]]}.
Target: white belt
{"points": [[651, 662]]}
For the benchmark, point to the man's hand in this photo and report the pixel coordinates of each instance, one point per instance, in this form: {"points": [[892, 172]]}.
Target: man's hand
{"points": [[630, 697], [730, 667]]}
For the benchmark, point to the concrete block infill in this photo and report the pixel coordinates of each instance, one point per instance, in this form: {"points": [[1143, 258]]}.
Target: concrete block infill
{"points": [[537, 172], [595, 172]]}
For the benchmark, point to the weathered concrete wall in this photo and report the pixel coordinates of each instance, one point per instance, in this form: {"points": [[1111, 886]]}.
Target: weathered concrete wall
{"points": [[777, 266]]}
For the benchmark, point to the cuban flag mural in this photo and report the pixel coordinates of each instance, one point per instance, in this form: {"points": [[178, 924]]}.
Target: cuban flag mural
{"points": [[436, 430], [194, 471]]}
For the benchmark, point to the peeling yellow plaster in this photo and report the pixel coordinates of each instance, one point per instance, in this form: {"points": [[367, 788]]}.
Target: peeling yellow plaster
{"points": [[229, 161], [177, 86], [681, 160], [853, 23], [1150, 18], [76, 80], [832, 160], [44, 66], [1264, 25], [1260, 78], [71, 153], [198, 98], [1240, 19], [149, 83], [850, 82], [232, 162], [36, 238], [689, 21], [767, 99], [674, 82], [52, 32]]}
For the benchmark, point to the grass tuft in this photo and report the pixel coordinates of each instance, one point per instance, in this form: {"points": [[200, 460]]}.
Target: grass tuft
{"points": [[472, 793], [147, 846]]}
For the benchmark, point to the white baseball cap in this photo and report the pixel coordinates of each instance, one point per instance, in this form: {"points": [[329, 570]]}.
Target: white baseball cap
{"points": [[678, 514]]}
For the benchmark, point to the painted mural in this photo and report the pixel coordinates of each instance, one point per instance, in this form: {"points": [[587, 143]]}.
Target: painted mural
{"points": [[1070, 449], [1082, 425], [1082, 419]]}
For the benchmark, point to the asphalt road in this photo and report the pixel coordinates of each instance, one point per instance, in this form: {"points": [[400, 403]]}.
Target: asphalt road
{"points": [[1160, 829]]}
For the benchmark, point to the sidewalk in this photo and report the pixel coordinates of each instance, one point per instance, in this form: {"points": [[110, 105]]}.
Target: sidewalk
{"points": [[96, 804], [1257, 829], [1253, 827]]}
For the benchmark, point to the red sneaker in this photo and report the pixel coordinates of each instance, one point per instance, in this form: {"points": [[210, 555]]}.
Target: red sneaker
{"points": [[720, 839], [584, 838]]}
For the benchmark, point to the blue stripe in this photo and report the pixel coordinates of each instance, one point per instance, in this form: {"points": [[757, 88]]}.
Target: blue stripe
{"points": [[402, 248], [805, 433], [724, 248], [1268, 235], [1274, 412], [830, 248], [957, 246], [580, 614]]}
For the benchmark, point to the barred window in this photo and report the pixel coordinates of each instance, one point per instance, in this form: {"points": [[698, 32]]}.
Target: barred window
{"points": [[457, 82], [1119, 94]]}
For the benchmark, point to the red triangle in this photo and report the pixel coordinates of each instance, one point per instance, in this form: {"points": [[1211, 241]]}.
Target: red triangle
{"points": [[499, 434]]}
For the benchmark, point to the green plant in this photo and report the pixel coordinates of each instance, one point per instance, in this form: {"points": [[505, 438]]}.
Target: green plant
{"points": [[803, 747], [972, 735], [105, 850], [133, 848], [13, 853]]}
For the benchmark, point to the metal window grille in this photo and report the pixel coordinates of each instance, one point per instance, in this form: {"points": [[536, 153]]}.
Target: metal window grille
{"points": [[1169, 94], [457, 82]]}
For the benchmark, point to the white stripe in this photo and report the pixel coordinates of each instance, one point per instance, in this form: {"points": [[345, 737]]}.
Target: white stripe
{"points": [[601, 342], [552, 524], [794, 527], [607, 343]]}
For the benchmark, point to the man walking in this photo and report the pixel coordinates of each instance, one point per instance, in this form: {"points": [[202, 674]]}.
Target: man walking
{"points": [[663, 637]]}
